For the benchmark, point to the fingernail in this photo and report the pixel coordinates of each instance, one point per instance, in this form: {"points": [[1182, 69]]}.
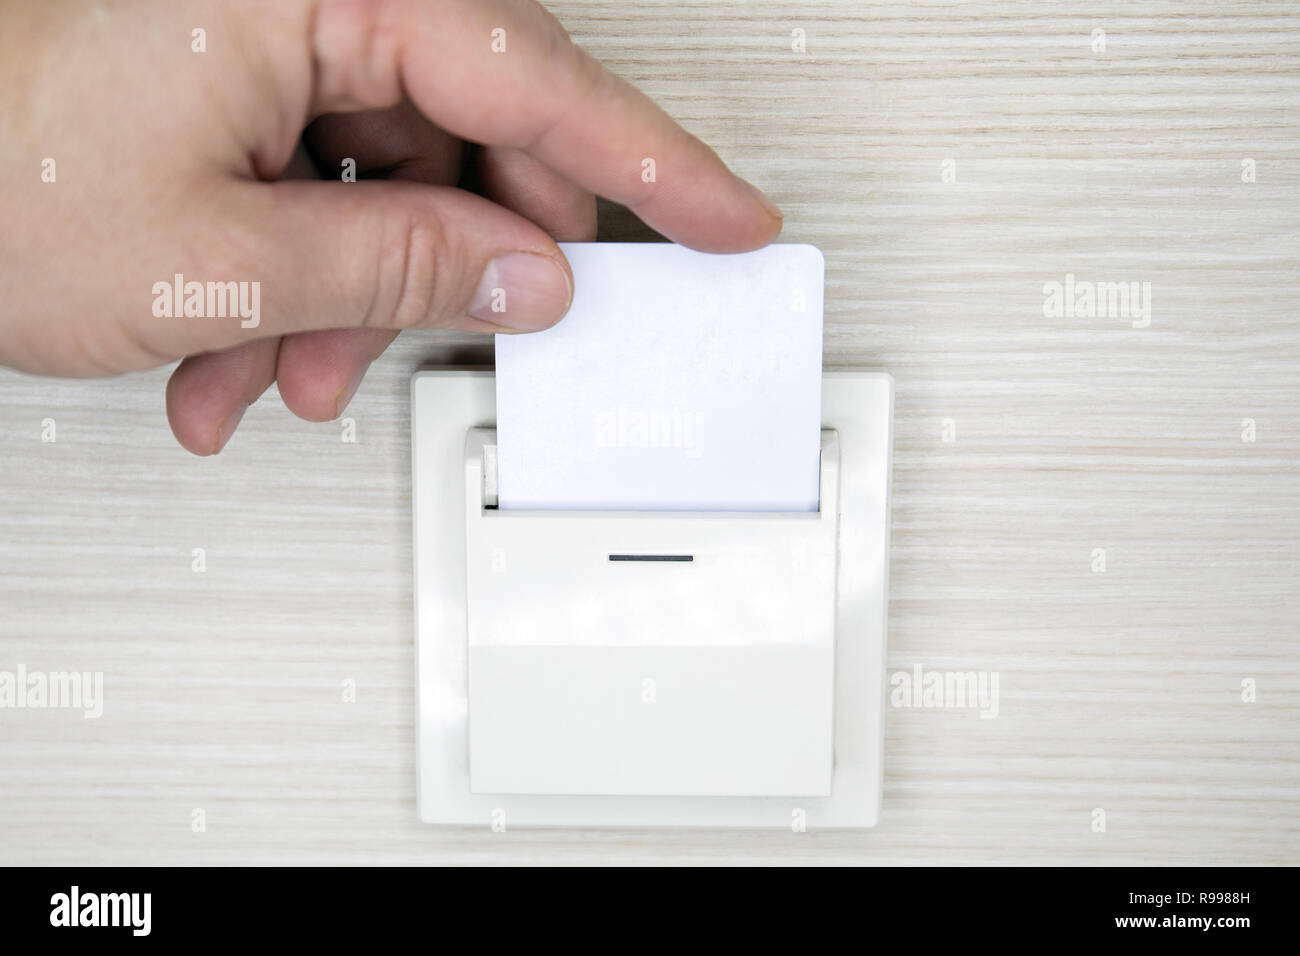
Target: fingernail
{"points": [[522, 291], [228, 427], [773, 209], [345, 394]]}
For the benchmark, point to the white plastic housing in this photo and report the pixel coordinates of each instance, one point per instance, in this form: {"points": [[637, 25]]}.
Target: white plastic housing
{"points": [[651, 653], [557, 687]]}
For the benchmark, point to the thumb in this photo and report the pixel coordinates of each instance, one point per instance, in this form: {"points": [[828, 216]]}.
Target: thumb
{"points": [[380, 254]]}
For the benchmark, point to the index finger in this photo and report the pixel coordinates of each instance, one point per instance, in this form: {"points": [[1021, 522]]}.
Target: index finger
{"points": [[505, 73]]}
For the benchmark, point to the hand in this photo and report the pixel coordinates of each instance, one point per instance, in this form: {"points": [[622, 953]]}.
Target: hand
{"points": [[128, 156]]}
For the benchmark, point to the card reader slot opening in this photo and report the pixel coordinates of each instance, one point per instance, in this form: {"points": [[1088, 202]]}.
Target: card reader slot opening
{"points": [[652, 557]]}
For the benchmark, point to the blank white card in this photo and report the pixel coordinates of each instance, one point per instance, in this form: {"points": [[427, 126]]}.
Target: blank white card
{"points": [[679, 381]]}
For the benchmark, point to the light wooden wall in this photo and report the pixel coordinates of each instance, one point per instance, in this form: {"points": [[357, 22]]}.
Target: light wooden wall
{"points": [[1120, 690]]}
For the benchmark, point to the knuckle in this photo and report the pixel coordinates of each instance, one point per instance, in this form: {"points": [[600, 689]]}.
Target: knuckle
{"points": [[409, 276], [356, 44]]}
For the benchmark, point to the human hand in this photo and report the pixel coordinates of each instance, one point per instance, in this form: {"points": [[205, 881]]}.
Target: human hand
{"points": [[128, 157]]}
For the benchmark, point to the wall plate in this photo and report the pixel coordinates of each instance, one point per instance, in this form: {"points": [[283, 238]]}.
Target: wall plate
{"points": [[446, 404]]}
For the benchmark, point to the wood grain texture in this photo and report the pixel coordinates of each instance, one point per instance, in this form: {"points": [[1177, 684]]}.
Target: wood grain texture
{"points": [[1119, 690]]}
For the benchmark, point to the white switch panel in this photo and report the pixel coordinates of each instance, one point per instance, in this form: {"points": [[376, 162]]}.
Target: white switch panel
{"points": [[533, 709], [650, 653]]}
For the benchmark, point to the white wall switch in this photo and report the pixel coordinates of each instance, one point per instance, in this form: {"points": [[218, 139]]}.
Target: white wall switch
{"points": [[645, 652], [649, 668]]}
